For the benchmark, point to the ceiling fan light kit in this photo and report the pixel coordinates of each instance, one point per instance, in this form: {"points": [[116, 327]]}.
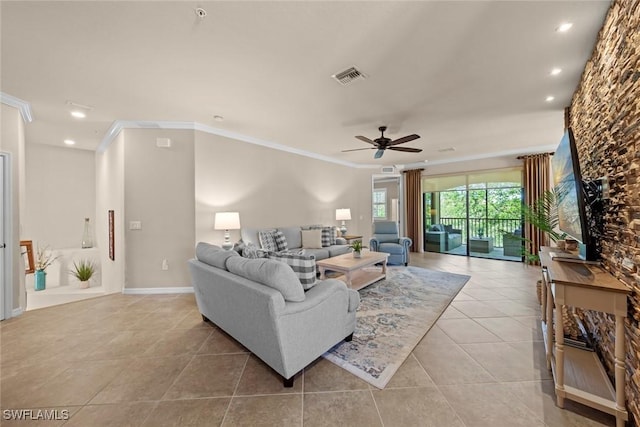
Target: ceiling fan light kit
{"points": [[383, 143]]}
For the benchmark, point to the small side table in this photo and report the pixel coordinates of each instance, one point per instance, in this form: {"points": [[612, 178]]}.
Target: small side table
{"points": [[350, 238], [481, 244]]}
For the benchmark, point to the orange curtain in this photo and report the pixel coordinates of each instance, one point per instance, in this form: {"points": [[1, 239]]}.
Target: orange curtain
{"points": [[413, 203], [536, 182]]}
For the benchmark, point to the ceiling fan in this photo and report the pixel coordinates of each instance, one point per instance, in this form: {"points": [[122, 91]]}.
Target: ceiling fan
{"points": [[384, 143]]}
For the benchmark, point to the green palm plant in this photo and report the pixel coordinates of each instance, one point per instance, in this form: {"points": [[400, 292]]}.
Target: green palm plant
{"points": [[83, 270], [543, 215]]}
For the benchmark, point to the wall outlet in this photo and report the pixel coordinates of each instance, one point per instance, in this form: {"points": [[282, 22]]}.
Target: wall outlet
{"points": [[165, 264], [135, 225]]}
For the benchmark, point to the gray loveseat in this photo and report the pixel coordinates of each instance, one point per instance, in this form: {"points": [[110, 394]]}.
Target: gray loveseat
{"points": [[261, 303], [293, 235], [442, 238]]}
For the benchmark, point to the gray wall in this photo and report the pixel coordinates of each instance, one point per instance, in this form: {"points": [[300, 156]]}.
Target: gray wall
{"points": [[271, 188], [159, 192], [175, 193], [60, 193], [110, 196]]}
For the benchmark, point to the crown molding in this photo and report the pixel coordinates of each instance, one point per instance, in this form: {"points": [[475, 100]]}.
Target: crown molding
{"points": [[505, 153], [119, 125], [23, 106]]}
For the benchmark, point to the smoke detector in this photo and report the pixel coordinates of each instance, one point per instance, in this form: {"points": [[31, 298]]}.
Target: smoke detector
{"points": [[349, 75]]}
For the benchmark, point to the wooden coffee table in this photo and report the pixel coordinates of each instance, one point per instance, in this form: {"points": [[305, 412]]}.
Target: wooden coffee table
{"points": [[355, 275]]}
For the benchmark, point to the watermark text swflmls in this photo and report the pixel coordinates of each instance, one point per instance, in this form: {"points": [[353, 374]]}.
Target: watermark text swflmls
{"points": [[35, 414]]}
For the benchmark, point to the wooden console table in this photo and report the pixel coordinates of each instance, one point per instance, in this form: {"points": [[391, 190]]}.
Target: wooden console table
{"points": [[579, 374]]}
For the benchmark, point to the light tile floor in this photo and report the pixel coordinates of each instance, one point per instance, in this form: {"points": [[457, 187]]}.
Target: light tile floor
{"points": [[128, 360]]}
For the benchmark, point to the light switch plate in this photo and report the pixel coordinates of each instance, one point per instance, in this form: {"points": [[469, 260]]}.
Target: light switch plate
{"points": [[135, 225]]}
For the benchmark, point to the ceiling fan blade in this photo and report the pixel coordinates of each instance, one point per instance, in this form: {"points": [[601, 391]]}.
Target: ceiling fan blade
{"points": [[358, 149], [379, 153], [404, 139], [407, 149], [365, 139]]}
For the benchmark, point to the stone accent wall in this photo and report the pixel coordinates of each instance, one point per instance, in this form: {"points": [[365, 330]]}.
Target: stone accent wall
{"points": [[605, 118]]}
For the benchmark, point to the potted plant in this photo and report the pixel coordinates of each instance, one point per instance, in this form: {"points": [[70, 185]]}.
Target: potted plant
{"points": [[83, 271], [357, 248], [543, 214], [44, 258]]}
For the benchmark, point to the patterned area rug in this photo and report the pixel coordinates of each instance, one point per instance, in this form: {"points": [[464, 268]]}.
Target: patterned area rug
{"points": [[393, 316]]}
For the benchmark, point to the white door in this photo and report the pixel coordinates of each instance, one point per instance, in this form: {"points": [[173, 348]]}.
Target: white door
{"points": [[3, 246]]}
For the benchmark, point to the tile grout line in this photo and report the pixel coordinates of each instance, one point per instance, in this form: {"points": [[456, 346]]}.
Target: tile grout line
{"points": [[302, 395], [178, 377], [235, 389], [376, 406]]}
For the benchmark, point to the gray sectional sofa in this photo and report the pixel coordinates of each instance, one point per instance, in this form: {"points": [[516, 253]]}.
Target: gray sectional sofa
{"points": [[261, 303], [293, 236]]}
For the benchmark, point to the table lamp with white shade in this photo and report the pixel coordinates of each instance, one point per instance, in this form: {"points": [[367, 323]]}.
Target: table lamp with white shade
{"points": [[343, 215], [227, 221]]}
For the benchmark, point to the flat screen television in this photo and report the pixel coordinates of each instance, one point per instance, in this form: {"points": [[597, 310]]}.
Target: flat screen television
{"points": [[572, 200]]}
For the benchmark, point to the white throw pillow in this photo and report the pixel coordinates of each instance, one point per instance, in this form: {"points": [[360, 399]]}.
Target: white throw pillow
{"points": [[312, 239]]}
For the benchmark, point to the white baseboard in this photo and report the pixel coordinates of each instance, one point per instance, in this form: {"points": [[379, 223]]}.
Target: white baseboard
{"points": [[16, 312], [145, 291]]}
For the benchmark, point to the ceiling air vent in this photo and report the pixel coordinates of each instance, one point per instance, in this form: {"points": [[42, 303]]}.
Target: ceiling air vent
{"points": [[348, 76], [388, 169]]}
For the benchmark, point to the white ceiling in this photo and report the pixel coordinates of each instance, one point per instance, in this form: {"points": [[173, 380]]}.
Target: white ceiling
{"points": [[472, 75]]}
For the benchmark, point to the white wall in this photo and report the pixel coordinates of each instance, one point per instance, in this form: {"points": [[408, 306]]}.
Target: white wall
{"points": [[110, 196], [12, 141], [271, 188], [60, 194], [159, 192]]}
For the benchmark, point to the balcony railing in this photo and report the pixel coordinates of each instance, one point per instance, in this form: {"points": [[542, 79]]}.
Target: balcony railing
{"points": [[487, 227]]}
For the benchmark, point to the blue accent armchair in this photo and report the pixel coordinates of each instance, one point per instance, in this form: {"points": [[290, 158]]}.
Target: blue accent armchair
{"points": [[386, 238]]}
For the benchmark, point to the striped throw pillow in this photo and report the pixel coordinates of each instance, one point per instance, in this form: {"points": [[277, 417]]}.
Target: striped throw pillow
{"points": [[281, 241], [267, 240], [304, 266], [326, 236]]}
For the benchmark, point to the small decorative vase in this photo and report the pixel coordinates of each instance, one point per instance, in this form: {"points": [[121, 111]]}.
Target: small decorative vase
{"points": [[40, 282], [87, 240], [357, 254], [84, 284]]}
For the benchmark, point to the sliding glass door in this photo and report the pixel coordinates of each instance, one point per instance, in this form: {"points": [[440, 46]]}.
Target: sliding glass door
{"points": [[475, 214]]}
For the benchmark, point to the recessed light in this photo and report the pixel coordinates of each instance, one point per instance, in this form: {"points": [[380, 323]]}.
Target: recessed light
{"points": [[78, 114], [69, 142], [555, 71], [549, 98], [218, 118], [564, 27]]}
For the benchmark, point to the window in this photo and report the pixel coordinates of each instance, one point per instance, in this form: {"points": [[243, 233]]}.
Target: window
{"points": [[380, 203]]}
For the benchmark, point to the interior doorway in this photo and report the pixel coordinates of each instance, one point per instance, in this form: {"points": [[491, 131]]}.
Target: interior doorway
{"points": [[387, 200]]}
